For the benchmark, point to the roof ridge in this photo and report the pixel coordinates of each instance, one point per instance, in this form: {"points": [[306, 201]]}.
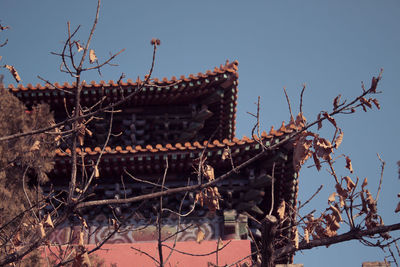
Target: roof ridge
{"points": [[187, 146], [231, 67]]}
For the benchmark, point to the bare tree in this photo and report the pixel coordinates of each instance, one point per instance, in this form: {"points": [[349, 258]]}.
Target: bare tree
{"points": [[350, 206]]}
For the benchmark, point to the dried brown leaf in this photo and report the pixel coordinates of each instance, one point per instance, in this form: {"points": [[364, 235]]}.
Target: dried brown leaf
{"points": [[364, 184], [300, 120], [220, 243], [2, 28], [78, 46], [84, 223], [82, 258], [341, 201], [364, 108], [199, 198], [332, 197], [35, 146], [281, 210], [330, 118], [209, 172], [115, 224], [92, 56], [306, 236], [376, 103], [349, 166], [336, 213], [215, 197], [364, 208], [49, 221], [200, 236], [397, 208], [332, 225], [216, 193], [339, 139], [316, 161], [336, 102], [225, 154], [341, 191], [319, 121], [89, 132], [81, 238], [13, 72], [86, 260], [371, 203], [366, 102], [209, 197], [350, 184], [398, 166], [41, 230], [374, 84], [96, 171], [301, 152], [323, 148]]}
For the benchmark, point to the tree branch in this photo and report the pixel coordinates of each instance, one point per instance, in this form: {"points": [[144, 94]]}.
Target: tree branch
{"points": [[351, 235]]}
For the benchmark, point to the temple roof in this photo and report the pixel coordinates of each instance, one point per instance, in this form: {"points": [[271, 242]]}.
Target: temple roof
{"points": [[214, 92]]}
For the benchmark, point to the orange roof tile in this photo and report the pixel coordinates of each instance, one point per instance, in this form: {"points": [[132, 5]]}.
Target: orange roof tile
{"points": [[219, 85], [178, 147], [228, 67]]}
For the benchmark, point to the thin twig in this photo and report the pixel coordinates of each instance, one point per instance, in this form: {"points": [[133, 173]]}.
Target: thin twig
{"points": [[159, 217], [143, 181], [383, 163], [197, 255], [242, 259], [179, 223], [26, 194], [147, 254], [272, 189], [288, 102], [316, 193], [85, 50], [177, 232], [70, 46], [301, 98], [98, 66], [100, 155], [55, 87], [113, 105]]}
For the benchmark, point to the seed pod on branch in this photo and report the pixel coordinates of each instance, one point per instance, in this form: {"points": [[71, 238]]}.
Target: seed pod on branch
{"points": [[155, 41]]}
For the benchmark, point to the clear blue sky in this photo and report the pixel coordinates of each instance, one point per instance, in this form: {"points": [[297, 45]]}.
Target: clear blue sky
{"points": [[330, 45]]}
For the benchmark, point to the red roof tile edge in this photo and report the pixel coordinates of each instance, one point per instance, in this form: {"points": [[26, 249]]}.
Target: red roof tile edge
{"points": [[231, 67], [291, 127]]}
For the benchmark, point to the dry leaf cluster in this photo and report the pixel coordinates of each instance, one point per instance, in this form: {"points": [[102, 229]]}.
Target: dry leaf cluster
{"points": [[209, 196], [310, 144]]}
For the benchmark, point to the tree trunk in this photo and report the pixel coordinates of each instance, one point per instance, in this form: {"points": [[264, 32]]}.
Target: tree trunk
{"points": [[269, 229]]}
